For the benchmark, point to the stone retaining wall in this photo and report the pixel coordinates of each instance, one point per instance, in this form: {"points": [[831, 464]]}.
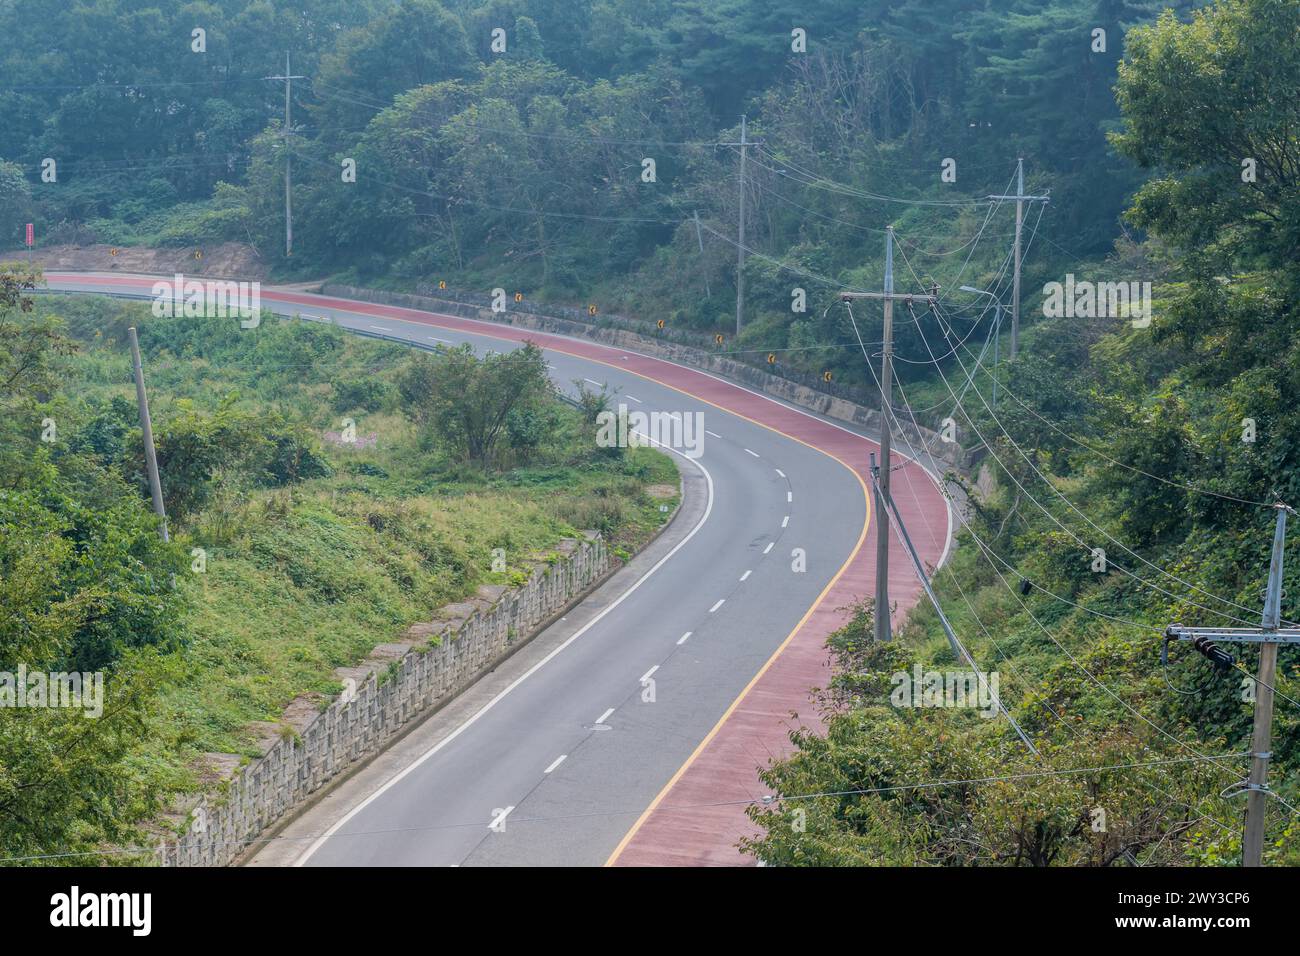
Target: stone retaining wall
{"points": [[351, 730]]}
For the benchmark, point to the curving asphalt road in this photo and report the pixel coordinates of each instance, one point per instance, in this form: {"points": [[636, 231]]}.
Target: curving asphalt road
{"points": [[559, 763]]}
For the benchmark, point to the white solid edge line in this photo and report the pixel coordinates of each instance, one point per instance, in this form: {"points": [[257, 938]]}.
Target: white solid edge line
{"points": [[410, 768]]}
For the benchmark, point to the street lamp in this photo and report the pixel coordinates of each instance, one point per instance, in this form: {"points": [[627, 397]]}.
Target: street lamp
{"points": [[997, 330]]}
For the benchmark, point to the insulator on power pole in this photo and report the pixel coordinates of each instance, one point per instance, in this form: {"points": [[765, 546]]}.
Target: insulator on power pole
{"points": [[1221, 658]]}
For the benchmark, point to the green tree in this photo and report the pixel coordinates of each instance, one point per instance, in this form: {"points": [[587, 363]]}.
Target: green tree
{"points": [[466, 403]]}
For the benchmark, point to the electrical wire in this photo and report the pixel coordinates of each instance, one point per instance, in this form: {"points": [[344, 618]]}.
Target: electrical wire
{"points": [[1026, 608], [997, 422], [986, 552], [819, 182], [555, 818], [483, 205]]}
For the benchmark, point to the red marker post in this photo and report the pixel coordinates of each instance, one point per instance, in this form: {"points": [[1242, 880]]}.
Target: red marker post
{"points": [[31, 233]]}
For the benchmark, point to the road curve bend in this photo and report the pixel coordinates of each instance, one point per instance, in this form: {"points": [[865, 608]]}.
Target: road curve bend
{"points": [[572, 763]]}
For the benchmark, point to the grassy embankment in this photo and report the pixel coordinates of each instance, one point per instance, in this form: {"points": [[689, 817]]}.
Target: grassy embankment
{"points": [[305, 576]]}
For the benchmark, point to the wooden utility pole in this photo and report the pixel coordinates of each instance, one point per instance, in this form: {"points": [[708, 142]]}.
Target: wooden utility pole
{"points": [[1020, 199], [146, 427], [886, 393], [1268, 637]]}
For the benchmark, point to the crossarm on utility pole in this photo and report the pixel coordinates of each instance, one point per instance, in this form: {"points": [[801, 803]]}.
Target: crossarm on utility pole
{"points": [[1287, 635], [1268, 636]]}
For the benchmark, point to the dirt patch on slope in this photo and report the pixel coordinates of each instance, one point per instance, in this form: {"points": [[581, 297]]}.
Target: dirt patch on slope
{"points": [[235, 260]]}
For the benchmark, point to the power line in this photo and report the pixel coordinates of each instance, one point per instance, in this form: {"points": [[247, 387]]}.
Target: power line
{"points": [[1093, 524], [1073, 659], [457, 200], [684, 807], [1064, 498], [988, 553], [1059, 645], [1042, 700], [819, 182], [1114, 461]]}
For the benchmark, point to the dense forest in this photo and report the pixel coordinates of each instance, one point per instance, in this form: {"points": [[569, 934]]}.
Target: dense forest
{"points": [[584, 150], [523, 163]]}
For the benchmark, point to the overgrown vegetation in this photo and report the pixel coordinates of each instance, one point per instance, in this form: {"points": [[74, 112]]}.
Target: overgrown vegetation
{"points": [[525, 169], [311, 519], [1166, 446]]}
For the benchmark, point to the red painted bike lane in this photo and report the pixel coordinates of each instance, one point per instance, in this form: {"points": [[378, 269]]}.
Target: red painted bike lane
{"points": [[698, 817]]}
